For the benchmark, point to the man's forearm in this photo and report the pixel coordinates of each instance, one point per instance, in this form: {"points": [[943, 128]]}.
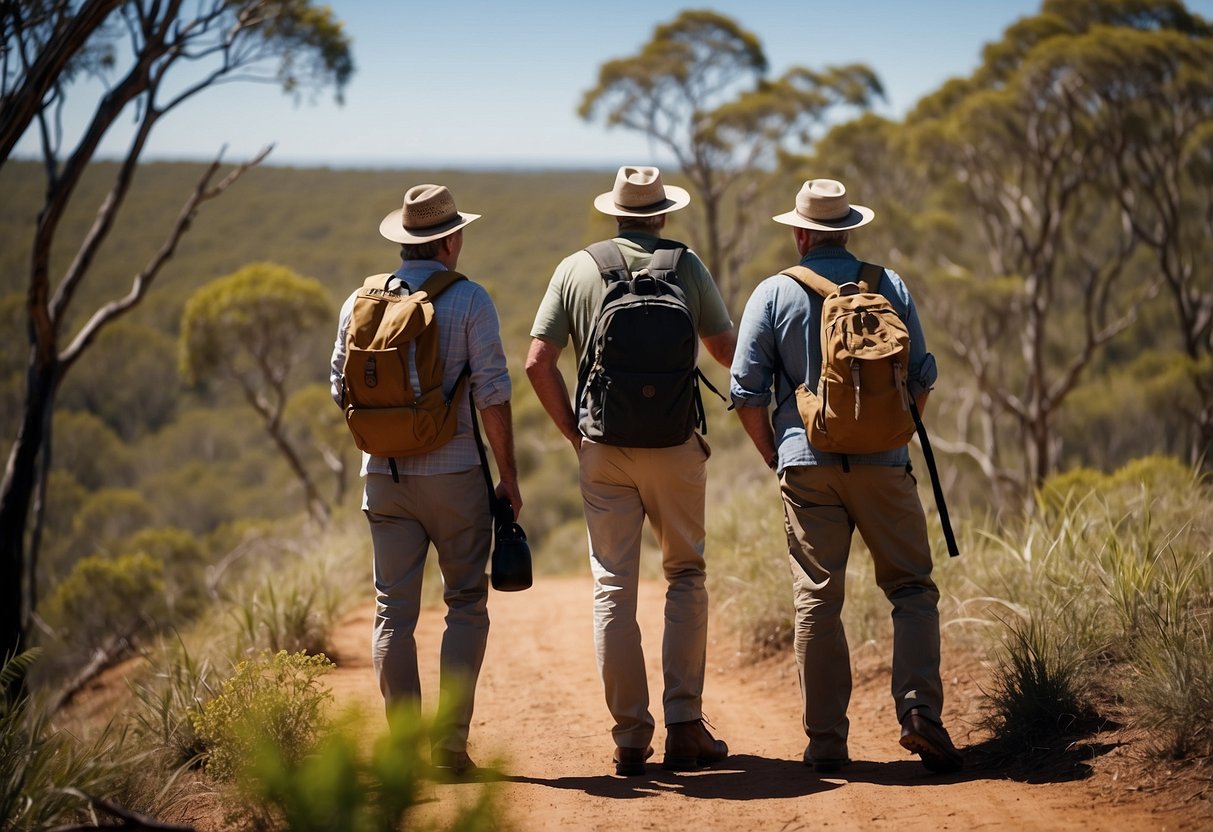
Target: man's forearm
{"points": [[499, 429], [757, 425], [545, 377]]}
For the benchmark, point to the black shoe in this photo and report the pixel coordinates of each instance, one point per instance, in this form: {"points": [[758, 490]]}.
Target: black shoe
{"points": [[630, 761], [828, 765], [689, 747], [931, 743]]}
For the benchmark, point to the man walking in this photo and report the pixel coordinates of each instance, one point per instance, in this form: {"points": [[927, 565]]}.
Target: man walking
{"points": [[827, 496], [437, 496], [659, 475]]}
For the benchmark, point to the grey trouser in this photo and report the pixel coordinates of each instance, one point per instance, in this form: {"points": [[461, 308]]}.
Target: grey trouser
{"points": [[619, 488], [823, 505], [451, 511]]}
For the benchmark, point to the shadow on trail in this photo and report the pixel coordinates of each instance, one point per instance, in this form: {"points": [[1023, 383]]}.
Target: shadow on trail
{"points": [[747, 777], [740, 777]]}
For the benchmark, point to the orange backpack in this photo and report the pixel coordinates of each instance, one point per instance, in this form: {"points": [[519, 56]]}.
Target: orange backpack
{"points": [[862, 401], [388, 334]]}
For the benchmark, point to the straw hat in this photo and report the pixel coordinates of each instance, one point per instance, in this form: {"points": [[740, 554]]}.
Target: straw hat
{"points": [[822, 205], [428, 214], [639, 192]]}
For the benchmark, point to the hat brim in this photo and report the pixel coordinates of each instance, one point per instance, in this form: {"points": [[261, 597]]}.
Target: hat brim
{"points": [[392, 228], [858, 215], [675, 198]]}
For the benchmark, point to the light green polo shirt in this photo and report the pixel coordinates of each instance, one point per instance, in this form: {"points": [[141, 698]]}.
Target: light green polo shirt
{"points": [[575, 293]]}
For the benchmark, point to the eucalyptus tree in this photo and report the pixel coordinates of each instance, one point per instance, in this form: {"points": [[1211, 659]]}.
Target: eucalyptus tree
{"points": [[698, 88], [247, 328], [1028, 144], [150, 57]]}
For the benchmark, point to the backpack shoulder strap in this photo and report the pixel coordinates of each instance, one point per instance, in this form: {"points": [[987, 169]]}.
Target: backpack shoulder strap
{"points": [[870, 276], [439, 282], [377, 282], [664, 264], [609, 260], [812, 280]]}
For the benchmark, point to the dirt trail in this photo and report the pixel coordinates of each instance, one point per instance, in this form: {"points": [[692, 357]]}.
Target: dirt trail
{"points": [[540, 711]]}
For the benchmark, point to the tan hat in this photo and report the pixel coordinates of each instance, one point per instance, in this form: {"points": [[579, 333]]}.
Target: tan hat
{"points": [[428, 214], [822, 205], [638, 192]]}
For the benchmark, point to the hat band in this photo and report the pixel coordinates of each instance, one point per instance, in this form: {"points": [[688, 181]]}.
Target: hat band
{"points": [[421, 228], [652, 206]]}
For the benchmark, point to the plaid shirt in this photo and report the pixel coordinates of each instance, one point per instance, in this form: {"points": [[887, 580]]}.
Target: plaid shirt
{"points": [[468, 333]]}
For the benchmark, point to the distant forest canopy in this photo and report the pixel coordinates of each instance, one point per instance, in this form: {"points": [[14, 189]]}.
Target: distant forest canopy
{"points": [[322, 224]]}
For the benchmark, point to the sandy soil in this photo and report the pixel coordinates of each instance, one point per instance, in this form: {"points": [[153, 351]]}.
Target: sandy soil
{"points": [[540, 714]]}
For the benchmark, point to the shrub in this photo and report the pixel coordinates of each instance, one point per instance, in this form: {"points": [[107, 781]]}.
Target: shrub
{"points": [[274, 698], [45, 772], [341, 785], [106, 599]]}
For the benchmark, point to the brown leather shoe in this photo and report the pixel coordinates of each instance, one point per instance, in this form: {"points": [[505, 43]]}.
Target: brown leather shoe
{"points": [[689, 746], [630, 761], [930, 741]]}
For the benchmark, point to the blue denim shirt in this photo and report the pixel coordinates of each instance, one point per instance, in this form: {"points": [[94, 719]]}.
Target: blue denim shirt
{"points": [[779, 346]]}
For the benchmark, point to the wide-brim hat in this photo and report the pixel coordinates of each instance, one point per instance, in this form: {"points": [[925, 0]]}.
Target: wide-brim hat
{"points": [[822, 205], [639, 192], [428, 214]]}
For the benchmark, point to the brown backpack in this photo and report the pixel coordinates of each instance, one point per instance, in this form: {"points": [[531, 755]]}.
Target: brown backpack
{"points": [[388, 333], [862, 402]]}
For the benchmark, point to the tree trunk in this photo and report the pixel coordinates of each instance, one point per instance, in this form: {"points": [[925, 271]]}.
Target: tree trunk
{"points": [[16, 493]]}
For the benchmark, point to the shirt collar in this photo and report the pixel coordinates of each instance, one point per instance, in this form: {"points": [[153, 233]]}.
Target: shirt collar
{"points": [[828, 253], [412, 273]]}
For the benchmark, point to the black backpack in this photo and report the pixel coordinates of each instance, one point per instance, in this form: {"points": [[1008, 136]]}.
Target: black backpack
{"points": [[638, 382]]}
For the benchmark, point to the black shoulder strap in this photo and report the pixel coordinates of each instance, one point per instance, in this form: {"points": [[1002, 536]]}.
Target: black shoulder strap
{"points": [[609, 260], [664, 264]]}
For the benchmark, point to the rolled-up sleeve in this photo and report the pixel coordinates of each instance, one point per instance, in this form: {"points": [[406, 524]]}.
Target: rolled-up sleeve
{"points": [[753, 361], [923, 372], [337, 362], [490, 376]]}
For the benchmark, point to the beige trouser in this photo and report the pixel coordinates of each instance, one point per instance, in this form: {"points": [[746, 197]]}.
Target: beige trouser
{"points": [[450, 511], [619, 488], [823, 505]]}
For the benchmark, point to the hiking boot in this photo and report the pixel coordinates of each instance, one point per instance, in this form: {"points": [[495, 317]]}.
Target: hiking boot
{"points": [[630, 761], [689, 746], [930, 741], [826, 765]]}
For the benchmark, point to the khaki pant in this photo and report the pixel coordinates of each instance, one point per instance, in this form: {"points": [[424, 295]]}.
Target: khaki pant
{"points": [[619, 488], [823, 505], [451, 511]]}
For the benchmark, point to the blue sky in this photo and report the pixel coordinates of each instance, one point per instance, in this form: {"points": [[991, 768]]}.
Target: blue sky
{"points": [[480, 83]]}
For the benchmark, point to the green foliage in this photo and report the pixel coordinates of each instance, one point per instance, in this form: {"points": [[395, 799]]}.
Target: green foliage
{"points": [[173, 688], [106, 598], [299, 621], [273, 698], [341, 786], [106, 516], [128, 379], [45, 770], [91, 452], [249, 325]]}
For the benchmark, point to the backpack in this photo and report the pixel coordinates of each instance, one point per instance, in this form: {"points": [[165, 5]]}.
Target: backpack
{"points": [[389, 333], [862, 403], [637, 384]]}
